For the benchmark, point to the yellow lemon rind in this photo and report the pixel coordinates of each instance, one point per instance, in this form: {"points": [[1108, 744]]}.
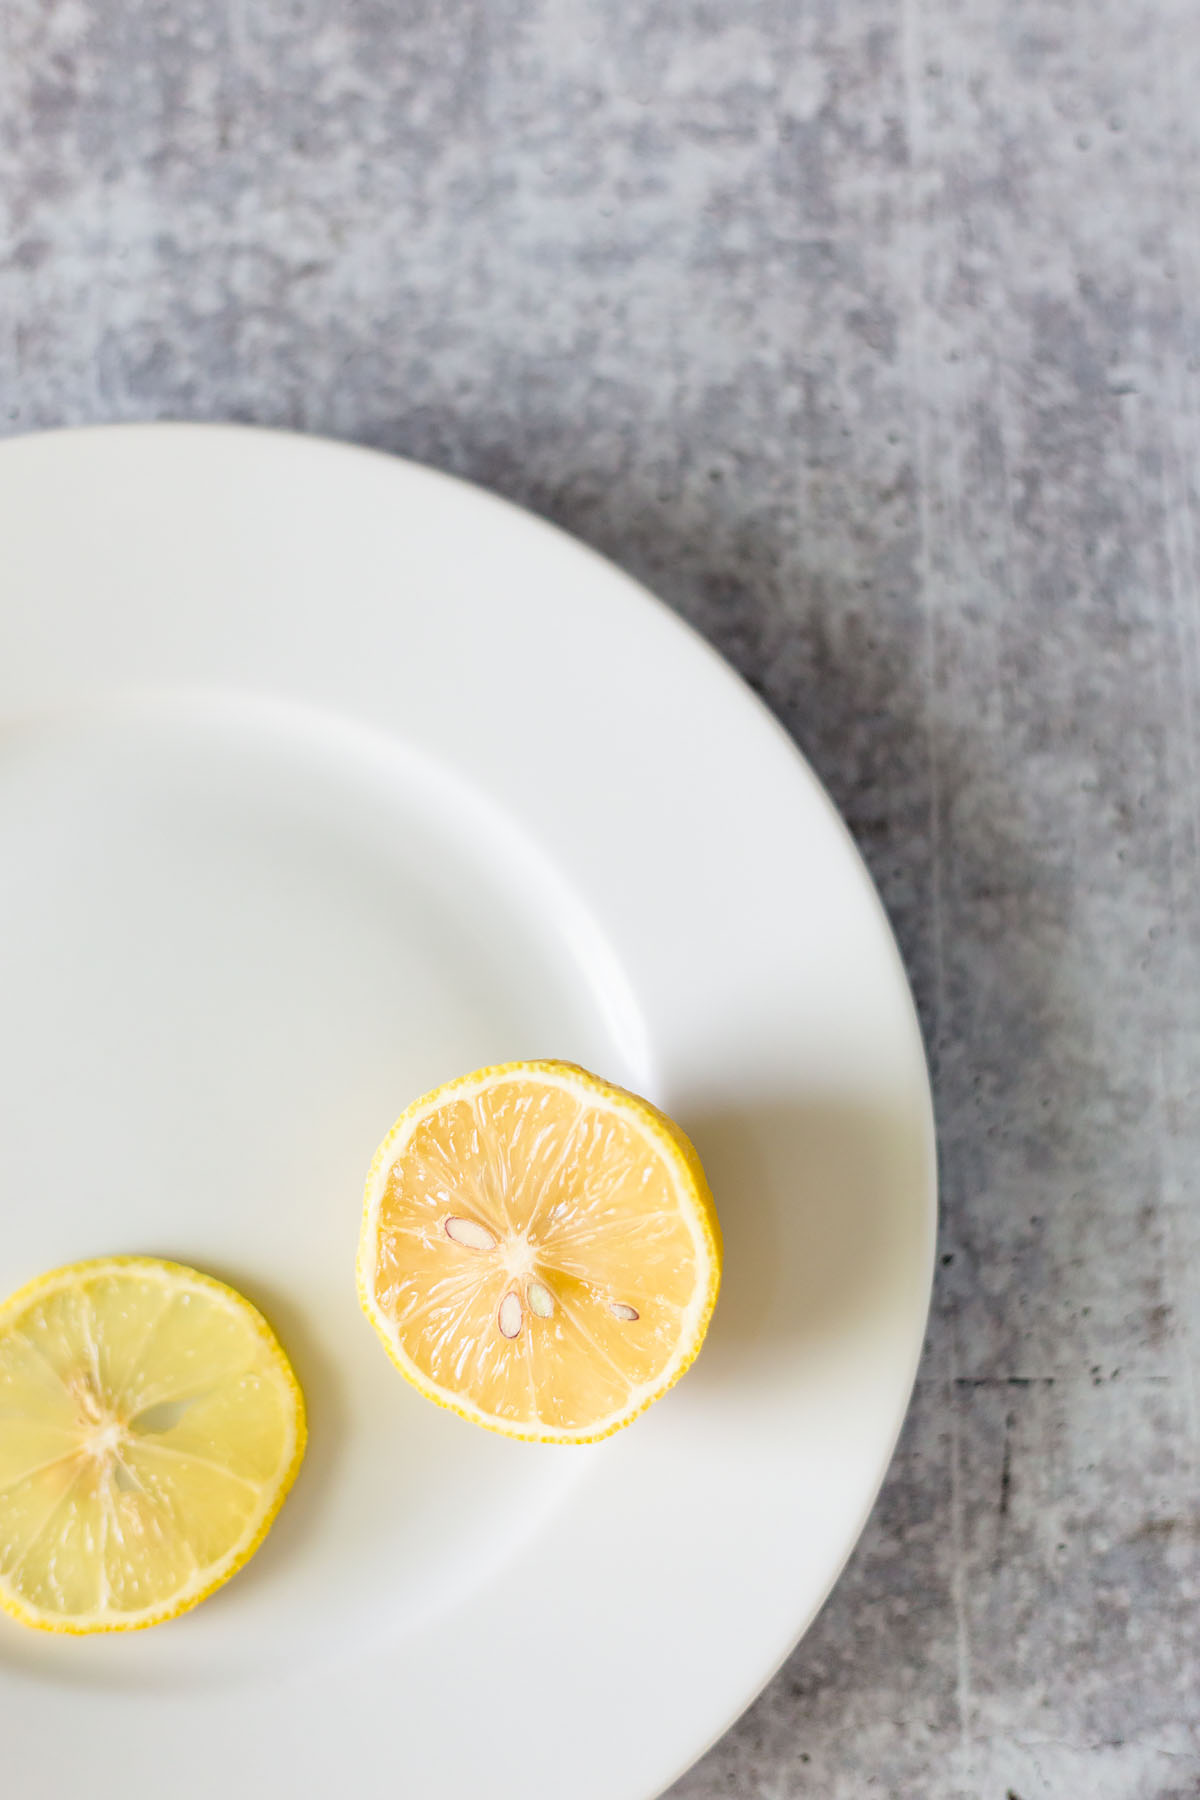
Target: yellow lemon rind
{"points": [[693, 1186], [92, 1624]]}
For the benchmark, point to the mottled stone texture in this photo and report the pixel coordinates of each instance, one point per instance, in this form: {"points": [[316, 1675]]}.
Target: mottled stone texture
{"points": [[866, 332]]}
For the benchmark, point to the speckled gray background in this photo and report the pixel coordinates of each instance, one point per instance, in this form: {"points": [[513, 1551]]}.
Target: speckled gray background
{"points": [[866, 332]]}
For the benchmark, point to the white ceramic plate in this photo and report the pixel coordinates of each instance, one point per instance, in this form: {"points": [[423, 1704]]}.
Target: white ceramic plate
{"points": [[323, 778]]}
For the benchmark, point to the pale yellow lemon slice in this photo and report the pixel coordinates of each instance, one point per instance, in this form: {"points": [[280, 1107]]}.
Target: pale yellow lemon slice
{"points": [[539, 1251], [150, 1427]]}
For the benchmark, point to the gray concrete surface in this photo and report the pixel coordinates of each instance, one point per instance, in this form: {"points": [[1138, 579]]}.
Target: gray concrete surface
{"points": [[867, 333]]}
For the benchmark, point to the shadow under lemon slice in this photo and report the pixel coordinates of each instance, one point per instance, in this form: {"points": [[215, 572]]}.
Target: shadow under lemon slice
{"points": [[540, 1251], [150, 1428]]}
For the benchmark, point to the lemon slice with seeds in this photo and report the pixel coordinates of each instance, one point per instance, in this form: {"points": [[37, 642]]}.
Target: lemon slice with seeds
{"points": [[150, 1427], [539, 1251]]}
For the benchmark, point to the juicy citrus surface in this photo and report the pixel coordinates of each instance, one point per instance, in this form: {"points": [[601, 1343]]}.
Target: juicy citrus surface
{"points": [[150, 1426], [539, 1251]]}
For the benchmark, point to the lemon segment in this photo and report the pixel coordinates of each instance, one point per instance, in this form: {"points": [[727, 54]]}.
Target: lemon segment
{"points": [[540, 1251], [150, 1427]]}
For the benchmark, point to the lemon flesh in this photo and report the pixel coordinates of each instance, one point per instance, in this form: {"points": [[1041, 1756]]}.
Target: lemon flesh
{"points": [[150, 1427], [540, 1251]]}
